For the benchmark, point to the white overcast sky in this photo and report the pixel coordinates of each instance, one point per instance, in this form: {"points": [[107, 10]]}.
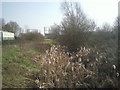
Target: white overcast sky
{"points": [[39, 13]]}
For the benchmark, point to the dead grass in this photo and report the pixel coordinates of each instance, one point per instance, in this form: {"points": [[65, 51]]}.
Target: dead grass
{"points": [[59, 70], [31, 64]]}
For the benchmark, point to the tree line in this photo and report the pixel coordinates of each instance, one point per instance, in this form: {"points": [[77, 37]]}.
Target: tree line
{"points": [[10, 26], [77, 30]]}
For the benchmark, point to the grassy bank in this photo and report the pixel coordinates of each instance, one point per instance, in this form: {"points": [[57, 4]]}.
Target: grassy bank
{"points": [[20, 65], [31, 64]]}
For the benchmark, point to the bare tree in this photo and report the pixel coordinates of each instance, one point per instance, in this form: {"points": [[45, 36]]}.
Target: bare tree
{"points": [[106, 27], [12, 27], [75, 25], [2, 23]]}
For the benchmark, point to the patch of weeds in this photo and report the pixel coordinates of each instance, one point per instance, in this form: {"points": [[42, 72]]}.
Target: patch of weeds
{"points": [[16, 81], [18, 67], [49, 41]]}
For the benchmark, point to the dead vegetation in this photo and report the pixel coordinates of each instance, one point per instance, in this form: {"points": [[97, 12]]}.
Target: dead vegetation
{"points": [[58, 68], [66, 70]]}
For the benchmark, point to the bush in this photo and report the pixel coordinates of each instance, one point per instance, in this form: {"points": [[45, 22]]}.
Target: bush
{"points": [[88, 68], [73, 28], [32, 36], [60, 71]]}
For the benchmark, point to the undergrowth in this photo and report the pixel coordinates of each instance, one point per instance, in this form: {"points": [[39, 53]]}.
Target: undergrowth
{"points": [[19, 66]]}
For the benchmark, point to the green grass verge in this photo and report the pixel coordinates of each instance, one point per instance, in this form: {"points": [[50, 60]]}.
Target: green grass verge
{"points": [[49, 41], [18, 67]]}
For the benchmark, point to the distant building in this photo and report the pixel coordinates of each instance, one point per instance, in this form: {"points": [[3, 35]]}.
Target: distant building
{"points": [[4, 35], [47, 34], [32, 30]]}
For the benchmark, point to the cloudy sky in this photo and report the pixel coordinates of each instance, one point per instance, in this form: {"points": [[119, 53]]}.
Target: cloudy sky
{"points": [[37, 14]]}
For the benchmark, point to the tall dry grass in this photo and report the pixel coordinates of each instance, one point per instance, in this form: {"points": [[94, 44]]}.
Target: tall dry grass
{"points": [[87, 68], [60, 70]]}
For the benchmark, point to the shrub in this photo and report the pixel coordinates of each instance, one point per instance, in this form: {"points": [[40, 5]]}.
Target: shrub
{"points": [[60, 71], [72, 30], [32, 36], [87, 68]]}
